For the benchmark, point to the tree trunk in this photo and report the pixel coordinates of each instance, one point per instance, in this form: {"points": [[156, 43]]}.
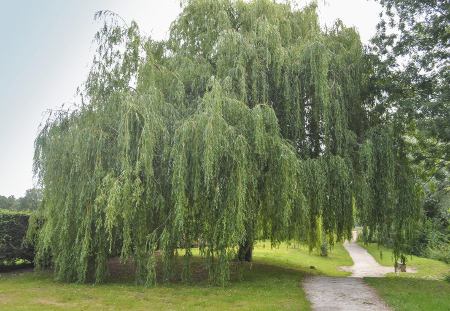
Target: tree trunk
{"points": [[245, 251]]}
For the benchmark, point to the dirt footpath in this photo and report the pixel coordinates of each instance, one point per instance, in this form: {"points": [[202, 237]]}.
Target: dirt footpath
{"points": [[363, 263], [349, 294]]}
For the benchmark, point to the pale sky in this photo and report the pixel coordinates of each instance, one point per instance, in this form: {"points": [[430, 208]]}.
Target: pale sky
{"points": [[46, 51]]}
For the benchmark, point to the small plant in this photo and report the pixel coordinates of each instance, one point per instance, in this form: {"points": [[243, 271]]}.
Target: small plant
{"points": [[403, 260], [324, 249], [401, 265]]}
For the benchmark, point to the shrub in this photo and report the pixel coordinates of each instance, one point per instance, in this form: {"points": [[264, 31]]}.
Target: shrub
{"points": [[324, 249], [440, 252], [13, 228]]}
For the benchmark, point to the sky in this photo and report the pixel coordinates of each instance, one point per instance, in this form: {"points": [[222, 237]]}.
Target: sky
{"points": [[45, 53]]}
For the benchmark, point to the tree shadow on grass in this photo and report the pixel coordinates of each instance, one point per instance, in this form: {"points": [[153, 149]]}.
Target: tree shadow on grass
{"points": [[120, 272], [240, 272], [16, 267]]}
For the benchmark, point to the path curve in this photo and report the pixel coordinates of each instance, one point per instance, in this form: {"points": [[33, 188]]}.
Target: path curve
{"points": [[363, 263], [349, 294]]}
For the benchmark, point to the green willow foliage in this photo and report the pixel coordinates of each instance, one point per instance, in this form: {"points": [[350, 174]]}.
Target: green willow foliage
{"points": [[248, 122]]}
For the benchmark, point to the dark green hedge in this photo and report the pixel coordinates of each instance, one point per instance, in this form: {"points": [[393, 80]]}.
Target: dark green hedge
{"points": [[13, 229]]}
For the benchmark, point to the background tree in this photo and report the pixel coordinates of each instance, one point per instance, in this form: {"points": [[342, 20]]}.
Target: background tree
{"points": [[29, 202], [7, 202], [413, 43], [412, 74]]}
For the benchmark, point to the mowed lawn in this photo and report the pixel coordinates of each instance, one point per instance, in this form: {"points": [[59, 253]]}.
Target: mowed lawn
{"points": [[425, 290], [426, 268], [271, 282]]}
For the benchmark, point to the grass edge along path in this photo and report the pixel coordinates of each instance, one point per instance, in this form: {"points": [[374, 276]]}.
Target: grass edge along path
{"points": [[424, 290], [426, 268], [412, 294]]}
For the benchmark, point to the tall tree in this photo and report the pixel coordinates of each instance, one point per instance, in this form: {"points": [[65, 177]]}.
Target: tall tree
{"points": [[412, 46], [7, 202], [31, 200], [413, 43], [245, 124]]}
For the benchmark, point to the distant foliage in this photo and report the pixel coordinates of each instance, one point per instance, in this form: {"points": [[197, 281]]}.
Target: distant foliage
{"points": [[29, 202], [7, 203], [13, 229], [249, 122]]}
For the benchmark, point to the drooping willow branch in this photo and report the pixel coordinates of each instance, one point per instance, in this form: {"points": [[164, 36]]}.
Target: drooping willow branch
{"points": [[248, 122]]}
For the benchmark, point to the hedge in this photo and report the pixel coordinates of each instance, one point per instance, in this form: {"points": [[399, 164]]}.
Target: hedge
{"points": [[13, 229]]}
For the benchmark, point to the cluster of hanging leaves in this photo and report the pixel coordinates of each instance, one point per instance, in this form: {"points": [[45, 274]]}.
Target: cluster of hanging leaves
{"points": [[388, 193], [249, 122], [411, 51]]}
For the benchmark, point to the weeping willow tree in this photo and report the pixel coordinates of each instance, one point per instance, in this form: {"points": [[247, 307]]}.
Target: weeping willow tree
{"points": [[250, 122], [388, 194]]}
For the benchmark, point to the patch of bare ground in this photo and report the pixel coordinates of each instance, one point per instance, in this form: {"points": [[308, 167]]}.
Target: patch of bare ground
{"points": [[349, 294], [53, 303]]}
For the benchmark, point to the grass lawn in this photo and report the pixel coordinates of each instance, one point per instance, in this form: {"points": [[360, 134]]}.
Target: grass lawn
{"points": [[421, 291], [298, 257], [272, 282], [426, 268], [413, 294]]}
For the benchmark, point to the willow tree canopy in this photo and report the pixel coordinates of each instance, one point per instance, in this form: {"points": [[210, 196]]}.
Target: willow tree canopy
{"points": [[249, 122]]}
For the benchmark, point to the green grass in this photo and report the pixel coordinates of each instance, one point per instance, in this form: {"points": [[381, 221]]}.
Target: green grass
{"points": [[14, 212], [272, 282], [420, 291], [426, 268], [413, 294], [298, 257], [266, 288]]}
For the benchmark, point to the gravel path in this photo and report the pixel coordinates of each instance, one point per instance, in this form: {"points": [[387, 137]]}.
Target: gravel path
{"points": [[363, 263], [349, 294]]}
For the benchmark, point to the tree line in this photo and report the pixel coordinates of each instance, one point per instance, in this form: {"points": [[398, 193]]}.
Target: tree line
{"points": [[29, 202]]}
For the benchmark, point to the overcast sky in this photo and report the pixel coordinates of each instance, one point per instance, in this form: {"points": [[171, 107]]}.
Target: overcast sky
{"points": [[46, 51]]}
